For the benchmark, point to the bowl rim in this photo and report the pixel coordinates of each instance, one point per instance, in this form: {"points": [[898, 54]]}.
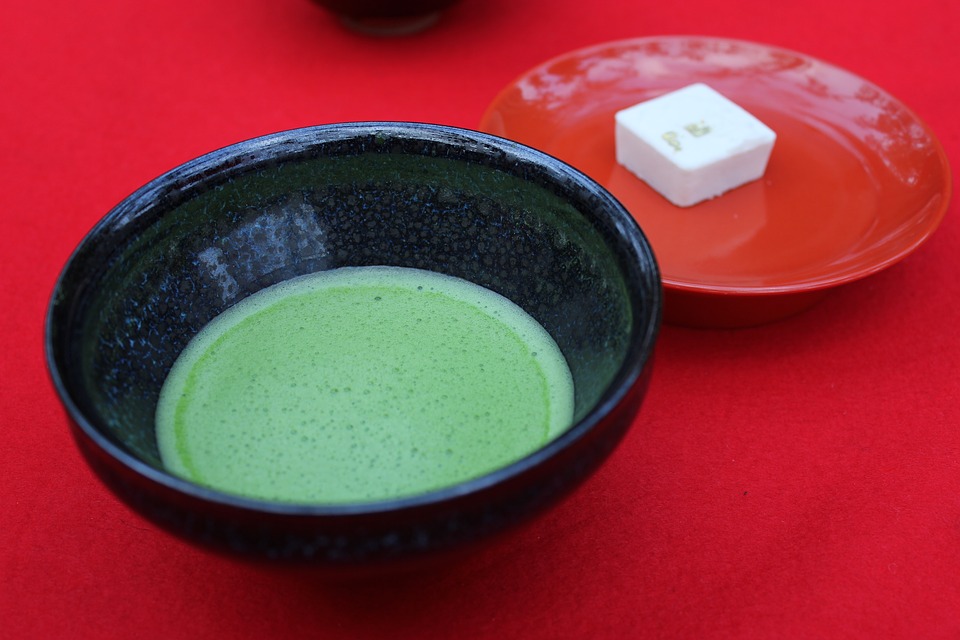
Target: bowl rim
{"points": [[290, 143]]}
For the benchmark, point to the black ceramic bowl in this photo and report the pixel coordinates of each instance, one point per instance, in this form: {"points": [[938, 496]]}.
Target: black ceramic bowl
{"points": [[387, 17], [205, 235]]}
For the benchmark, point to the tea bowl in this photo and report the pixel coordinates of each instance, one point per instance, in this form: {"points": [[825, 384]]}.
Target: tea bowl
{"points": [[387, 17], [217, 229]]}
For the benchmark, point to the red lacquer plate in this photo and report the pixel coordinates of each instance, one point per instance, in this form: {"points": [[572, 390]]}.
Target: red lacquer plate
{"points": [[855, 182]]}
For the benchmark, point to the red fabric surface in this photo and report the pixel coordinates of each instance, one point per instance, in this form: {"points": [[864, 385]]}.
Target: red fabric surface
{"points": [[796, 480]]}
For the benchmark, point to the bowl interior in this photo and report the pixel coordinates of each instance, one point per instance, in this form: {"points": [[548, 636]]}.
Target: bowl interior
{"points": [[199, 239]]}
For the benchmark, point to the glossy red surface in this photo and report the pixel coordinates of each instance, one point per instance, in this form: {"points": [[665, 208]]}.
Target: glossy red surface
{"points": [[855, 181]]}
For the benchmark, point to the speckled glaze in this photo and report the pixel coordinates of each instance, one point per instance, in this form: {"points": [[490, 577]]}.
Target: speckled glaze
{"points": [[196, 240]]}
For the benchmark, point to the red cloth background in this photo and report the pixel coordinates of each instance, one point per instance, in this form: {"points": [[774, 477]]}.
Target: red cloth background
{"points": [[796, 480]]}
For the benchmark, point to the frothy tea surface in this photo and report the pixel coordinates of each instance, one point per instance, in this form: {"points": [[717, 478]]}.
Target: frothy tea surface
{"points": [[361, 384]]}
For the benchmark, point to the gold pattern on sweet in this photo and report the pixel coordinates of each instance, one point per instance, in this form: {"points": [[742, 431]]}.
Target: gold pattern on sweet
{"points": [[673, 140], [698, 129]]}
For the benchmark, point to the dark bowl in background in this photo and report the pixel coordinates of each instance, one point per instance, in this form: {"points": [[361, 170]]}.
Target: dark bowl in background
{"points": [[203, 236], [387, 17]]}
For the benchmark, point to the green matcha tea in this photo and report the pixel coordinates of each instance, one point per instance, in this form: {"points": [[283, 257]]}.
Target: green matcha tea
{"points": [[360, 384]]}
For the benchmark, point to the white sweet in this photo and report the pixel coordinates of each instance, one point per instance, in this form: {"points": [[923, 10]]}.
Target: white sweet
{"points": [[692, 144]]}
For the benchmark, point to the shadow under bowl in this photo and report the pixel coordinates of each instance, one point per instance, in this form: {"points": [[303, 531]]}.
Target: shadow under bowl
{"points": [[207, 234]]}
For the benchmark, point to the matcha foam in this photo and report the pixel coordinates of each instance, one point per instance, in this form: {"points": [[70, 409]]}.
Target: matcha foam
{"points": [[361, 384]]}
